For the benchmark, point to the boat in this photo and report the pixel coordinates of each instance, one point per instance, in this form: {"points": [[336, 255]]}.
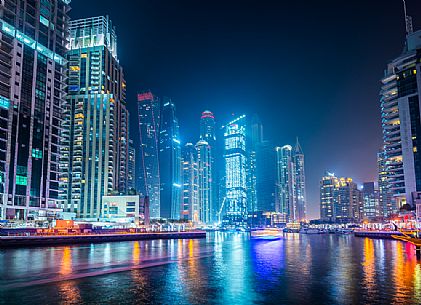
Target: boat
{"points": [[312, 231], [266, 234]]}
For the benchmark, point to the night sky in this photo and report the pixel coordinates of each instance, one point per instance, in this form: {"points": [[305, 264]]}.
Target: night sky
{"points": [[308, 68]]}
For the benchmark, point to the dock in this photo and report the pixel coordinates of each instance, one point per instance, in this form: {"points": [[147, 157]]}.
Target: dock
{"points": [[378, 234], [52, 240]]}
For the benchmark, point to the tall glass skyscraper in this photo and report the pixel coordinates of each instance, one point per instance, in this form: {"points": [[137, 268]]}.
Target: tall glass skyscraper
{"points": [[149, 115], [94, 158], [206, 192], [235, 155], [33, 38], [290, 184], [170, 162], [190, 204], [207, 166], [400, 113]]}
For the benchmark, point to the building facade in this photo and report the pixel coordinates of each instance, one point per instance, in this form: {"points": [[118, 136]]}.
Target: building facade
{"points": [[400, 113], [205, 173], [170, 162], [235, 156], [290, 183], [95, 133], [148, 176], [33, 38], [190, 203]]}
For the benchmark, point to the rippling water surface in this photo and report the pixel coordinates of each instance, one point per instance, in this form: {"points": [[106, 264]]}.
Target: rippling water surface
{"points": [[226, 268]]}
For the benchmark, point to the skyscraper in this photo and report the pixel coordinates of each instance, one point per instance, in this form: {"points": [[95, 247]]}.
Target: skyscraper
{"points": [[149, 114], [300, 182], [208, 134], [235, 156], [95, 125], [328, 185], [170, 162], [190, 204], [290, 184], [131, 167], [33, 44], [285, 182], [386, 200], [400, 112], [265, 176], [340, 199], [370, 201], [206, 192]]}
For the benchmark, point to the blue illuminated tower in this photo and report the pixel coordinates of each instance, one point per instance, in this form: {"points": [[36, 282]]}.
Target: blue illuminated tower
{"points": [[149, 114], [170, 162], [235, 155]]}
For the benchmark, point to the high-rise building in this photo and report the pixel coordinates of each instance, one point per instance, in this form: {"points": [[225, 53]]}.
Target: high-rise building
{"points": [[235, 155], [131, 167], [371, 208], [33, 38], [265, 176], [207, 127], [400, 113], [328, 185], [300, 182], [290, 183], [386, 200], [190, 204], [170, 162], [340, 199], [347, 201], [95, 125], [148, 176], [285, 182], [206, 192]]}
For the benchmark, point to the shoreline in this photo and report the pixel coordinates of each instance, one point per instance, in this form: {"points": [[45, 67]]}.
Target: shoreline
{"points": [[53, 240]]}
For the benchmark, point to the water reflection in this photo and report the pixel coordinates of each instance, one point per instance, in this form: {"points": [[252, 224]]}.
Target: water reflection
{"points": [[226, 268]]}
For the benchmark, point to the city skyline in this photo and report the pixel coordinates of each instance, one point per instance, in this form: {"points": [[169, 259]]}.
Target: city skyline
{"points": [[188, 73]]}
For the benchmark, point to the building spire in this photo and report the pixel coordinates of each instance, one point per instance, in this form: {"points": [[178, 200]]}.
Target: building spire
{"points": [[408, 20], [298, 149]]}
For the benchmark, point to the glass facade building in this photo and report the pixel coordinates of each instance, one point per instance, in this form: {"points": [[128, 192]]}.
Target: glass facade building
{"points": [[149, 115], [170, 162], [235, 156], [33, 39], [401, 124], [95, 137], [190, 204], [206, 192]]}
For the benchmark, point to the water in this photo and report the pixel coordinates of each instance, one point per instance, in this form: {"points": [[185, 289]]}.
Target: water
{"points": [[226, 268]]}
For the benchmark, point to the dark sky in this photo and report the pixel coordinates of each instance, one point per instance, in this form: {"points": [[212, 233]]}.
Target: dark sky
{"points": [[308, 68]]}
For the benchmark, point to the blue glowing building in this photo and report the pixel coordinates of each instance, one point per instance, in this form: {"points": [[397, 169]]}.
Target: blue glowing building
{"points": [[235, 156], [170, 162]]}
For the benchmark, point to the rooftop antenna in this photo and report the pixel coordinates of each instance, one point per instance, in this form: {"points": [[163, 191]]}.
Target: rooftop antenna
{"points": [[408, 20]]}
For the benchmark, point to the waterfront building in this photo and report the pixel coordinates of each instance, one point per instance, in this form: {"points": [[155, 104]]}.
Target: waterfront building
{"points": [[327, 197], [265, 176], [235, 156], [149, 116], [131, 168], [125, 209], [33, 38], [205, 172], [190, 204], [340, 199], [290, 183], [300, 183], [386, 200], [95, 133], [254, 140], [347, 201], [400, 114], [208, 134], [170, 162], [371, 201]]}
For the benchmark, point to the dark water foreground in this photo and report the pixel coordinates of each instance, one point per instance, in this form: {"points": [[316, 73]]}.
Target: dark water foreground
{"points": [[225, 268]]}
